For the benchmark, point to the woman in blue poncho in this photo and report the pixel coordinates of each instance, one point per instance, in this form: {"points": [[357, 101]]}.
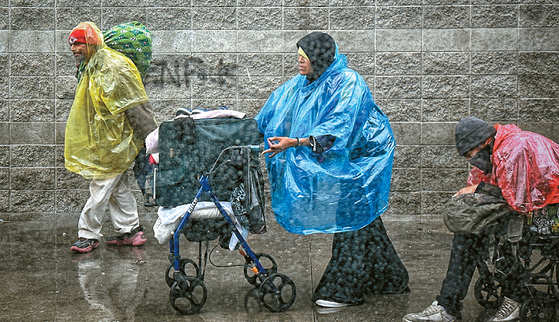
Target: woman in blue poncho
{"points": [[330, 152]]}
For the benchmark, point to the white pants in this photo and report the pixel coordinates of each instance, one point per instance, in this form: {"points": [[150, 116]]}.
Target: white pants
{"points": [[115, 193]]}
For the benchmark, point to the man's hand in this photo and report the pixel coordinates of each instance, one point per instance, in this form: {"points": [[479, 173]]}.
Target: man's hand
{"points": [[279, 144], [468, 189]]}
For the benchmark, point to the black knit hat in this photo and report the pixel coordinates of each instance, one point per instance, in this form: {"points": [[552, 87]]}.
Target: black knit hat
{"points": [[321, 51], [471, 132]]}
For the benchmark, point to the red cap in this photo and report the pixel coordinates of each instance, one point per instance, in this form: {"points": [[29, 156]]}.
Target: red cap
{"points": [[84, 33], [78, 35]]}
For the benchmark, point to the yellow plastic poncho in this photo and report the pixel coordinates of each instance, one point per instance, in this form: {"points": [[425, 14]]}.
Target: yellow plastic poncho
{"points": [[99, 140]]}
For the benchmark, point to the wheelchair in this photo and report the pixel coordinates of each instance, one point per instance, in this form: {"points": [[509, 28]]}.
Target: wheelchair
{"points": [[536, 258]]}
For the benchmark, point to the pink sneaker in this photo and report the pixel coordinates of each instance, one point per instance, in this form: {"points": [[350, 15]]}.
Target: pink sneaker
{"points": [[84, 245], [134, 238]]}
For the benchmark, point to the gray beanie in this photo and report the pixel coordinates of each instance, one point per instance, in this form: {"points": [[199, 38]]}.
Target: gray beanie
{"points": [[471, 132]]}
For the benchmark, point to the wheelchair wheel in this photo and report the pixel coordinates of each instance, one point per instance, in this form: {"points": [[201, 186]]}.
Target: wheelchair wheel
{"points": [[187, 267], [267, 262], [539, 309], [277, 292], [488, 292], [189, 296], [556, 285]]}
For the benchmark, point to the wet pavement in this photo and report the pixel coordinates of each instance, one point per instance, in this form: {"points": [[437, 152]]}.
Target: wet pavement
{"points": [[43, 281]]}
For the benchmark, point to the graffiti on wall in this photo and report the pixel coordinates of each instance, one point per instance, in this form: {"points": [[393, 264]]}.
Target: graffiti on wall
{"points": [[182, 72]]}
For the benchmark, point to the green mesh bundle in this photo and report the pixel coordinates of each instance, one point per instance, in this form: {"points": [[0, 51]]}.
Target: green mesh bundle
{"points": [[134, 41]]}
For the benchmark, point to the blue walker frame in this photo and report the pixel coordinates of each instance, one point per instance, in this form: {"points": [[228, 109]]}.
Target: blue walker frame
{"points": [[270, 284]]}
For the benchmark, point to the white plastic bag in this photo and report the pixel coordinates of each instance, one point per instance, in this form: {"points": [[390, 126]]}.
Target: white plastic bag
{"points": [[152, 142], [169, 218]]}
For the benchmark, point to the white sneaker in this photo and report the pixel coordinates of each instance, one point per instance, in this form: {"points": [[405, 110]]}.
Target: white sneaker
{"points": [[325, 303], [434, 313], [508, 311]]}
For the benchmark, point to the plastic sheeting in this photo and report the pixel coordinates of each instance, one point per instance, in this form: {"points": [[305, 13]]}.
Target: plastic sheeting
{"points": [[99, 140], [345, 187], [525, 167]]}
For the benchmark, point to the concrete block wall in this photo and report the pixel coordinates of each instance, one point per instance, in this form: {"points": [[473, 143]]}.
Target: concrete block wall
{"points": [[428, 63]]}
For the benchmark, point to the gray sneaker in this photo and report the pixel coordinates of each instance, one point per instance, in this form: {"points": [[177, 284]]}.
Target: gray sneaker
{"points": [[434, 313], [508, 311]]}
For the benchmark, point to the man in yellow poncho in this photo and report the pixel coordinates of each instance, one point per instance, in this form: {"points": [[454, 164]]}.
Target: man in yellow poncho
{"points": [[108, 121]]}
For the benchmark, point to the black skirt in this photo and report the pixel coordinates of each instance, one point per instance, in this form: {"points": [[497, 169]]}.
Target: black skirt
{"points": [[363, 262]]}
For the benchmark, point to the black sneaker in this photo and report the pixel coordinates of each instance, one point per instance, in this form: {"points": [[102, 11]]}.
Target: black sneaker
{"points": [[84, 245]]}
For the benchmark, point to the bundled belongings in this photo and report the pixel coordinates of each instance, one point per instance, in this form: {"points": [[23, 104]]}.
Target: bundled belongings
{"points": [[133, 40]]}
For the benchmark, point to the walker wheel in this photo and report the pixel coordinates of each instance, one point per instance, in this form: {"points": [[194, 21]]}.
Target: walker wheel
{"points": [[277, 292], [189, 296], [267, 262], [252, 302], [539, 309], [187, 267], [488, 292]]}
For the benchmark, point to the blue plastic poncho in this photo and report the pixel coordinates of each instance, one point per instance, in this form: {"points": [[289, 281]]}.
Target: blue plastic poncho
{"points": [[346, 187]]}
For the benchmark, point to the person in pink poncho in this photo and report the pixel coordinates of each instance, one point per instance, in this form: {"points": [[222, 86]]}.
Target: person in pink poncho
{"points": [[522, 169]]}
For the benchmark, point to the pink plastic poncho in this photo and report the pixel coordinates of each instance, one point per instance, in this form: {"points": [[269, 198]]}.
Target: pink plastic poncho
{"points": [[525, 167]]}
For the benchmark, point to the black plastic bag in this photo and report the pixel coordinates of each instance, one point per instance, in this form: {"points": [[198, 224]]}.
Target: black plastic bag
{"points": [[247, 199]]}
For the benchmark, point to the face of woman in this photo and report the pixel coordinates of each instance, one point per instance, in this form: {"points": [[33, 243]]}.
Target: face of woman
{"points": [[304, 66]]}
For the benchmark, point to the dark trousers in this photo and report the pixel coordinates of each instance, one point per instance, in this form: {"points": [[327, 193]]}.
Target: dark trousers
{"points": [[467, 250], [363, 262]]}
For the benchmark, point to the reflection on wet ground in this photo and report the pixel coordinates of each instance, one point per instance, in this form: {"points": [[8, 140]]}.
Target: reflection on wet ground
{"points": [[43, 281]]}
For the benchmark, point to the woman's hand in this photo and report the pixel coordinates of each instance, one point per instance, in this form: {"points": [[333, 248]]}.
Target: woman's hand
{"points": [[279, 144]]}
